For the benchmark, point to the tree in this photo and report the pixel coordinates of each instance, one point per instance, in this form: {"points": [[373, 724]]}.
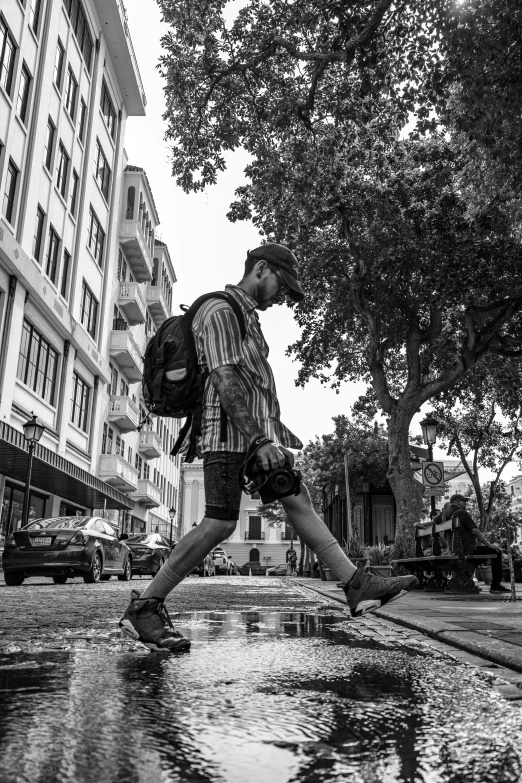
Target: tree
{"points": [[480, 423], [410, 285]]}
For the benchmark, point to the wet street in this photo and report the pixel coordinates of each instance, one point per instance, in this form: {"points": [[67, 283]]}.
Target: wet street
{"points": [[279, 686]]}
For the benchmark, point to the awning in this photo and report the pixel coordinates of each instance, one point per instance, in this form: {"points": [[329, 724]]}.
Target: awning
{"points": [[56, 475]]}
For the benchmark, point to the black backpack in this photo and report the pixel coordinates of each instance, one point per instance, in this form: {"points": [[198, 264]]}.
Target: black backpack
{"points": [[172, 383]]}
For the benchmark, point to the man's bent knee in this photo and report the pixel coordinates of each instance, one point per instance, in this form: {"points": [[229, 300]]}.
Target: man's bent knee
{"points": [[226, 526]]}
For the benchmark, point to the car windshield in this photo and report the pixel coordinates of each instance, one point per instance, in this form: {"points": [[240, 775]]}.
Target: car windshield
{"points": [[58, 523], [141, 539]]}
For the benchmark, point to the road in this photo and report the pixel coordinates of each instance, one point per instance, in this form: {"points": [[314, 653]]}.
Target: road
{"points": [[280, 686]]}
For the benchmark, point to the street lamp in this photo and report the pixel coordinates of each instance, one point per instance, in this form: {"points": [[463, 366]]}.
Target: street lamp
{"points": [[32, 432], [172, 514], [429, 436]]}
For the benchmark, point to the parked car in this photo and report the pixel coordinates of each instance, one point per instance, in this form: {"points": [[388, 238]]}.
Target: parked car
{"points": [[220, 560], [149, 552], [278, 570], [254, 566], [206, 567], [60, 547]]}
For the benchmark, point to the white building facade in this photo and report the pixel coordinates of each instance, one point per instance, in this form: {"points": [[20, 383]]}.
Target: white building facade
{"points": [[83, 282], [253, 539]]}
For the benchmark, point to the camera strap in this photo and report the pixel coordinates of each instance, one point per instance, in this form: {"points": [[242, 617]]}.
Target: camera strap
{"points": [[242, 482]]}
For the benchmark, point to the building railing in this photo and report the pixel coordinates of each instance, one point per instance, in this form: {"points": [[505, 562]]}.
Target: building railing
{"points": [[287, 535], [254, 536]]}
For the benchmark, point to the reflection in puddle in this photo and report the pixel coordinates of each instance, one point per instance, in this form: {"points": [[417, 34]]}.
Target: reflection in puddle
{"points": [[262, 697]]}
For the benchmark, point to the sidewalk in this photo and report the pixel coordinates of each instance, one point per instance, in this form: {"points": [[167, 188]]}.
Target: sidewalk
{"points": [[482, 624]]}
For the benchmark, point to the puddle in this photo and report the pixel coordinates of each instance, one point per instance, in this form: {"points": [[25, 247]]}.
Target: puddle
{"points": [[263, 697]]}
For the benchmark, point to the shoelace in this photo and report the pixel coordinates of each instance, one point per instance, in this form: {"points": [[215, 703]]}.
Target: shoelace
{"points": [[162, 609]]}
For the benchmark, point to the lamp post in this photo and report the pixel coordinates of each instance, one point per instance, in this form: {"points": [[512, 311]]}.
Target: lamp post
{"points": [[429, 436], [32, 432], [172, 514]]}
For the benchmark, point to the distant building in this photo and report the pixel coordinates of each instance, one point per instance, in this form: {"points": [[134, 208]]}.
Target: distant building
{"points": [[253, 538]]}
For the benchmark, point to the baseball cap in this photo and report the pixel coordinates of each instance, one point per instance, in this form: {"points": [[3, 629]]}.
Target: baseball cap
{"points": [[458, 497], [281, 257]]}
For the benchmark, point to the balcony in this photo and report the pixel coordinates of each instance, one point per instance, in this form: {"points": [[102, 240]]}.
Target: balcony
{"points": [[287, 535], [148, 494], [254, 536], [150, 444], [137, 250], [124, 413], [125, 352], [132, 302], [117, 472], [157, 304]]}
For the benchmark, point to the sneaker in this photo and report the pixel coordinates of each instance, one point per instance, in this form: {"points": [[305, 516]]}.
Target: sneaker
{"points": [[499, 589], [147, 621], [367, 591]]}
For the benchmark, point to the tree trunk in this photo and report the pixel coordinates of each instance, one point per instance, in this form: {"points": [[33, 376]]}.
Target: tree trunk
{"points": [[307, 569], [406, 489]]}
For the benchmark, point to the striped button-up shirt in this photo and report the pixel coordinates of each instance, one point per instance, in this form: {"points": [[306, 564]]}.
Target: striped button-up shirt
{"points": [[218, 343]]}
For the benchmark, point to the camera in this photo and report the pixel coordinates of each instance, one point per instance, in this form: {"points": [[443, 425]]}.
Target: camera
{"points": [[273, 484]]}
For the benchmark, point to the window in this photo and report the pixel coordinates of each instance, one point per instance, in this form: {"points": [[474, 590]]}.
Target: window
{"points": [[10, 191], [38, 233], [23, 93], [107, 439], [113, 385], [129, 456], [74, 192], [146, 470], [49, 144], [71, 92], [122, 267], [80, 26], [120, 446], [52, 254], [62, 169], [65, 273], [89, 310], [107, 108], [102, 172], [96, 236], [124, 388], [37, 363], [34, 15], [138, 464], [58, 64], [7, 56], [82, 121], [80, 402]]}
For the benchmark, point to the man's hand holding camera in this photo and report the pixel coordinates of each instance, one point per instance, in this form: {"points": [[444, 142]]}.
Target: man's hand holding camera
{"points": [[270, 456]]}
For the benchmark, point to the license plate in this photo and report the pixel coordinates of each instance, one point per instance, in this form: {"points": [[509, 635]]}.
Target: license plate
{"points": [[41, 541]]}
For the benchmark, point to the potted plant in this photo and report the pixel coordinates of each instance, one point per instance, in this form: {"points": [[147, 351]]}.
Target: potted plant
{"points": [[379, 556], [356, 551]]}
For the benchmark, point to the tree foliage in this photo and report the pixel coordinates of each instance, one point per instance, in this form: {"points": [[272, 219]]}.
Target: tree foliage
{"points": [[410, 245]]}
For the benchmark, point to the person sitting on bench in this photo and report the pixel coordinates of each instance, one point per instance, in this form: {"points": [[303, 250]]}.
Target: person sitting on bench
{"points": [[474, 543], [427, 541]]}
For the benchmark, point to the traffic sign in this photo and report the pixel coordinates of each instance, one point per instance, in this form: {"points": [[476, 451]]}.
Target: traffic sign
{"points": [[433, 474]]}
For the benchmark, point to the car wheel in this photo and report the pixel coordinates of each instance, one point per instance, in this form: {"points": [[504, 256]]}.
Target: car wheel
{"points": [[127, 572], [105, 577], [14, 578], [96, 570], [59, 580]]}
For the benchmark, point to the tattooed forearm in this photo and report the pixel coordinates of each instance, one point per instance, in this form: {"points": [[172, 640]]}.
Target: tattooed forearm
{"points": [[232, 397]]}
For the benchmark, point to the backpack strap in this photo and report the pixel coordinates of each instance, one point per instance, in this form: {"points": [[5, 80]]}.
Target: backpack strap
{"points": [[194, 422]]}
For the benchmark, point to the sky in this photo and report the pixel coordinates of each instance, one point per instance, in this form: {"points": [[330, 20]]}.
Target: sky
{"points": [[208, 251]]}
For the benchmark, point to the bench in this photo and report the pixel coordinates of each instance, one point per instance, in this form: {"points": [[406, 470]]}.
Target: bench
{"points": [[438, 573]]}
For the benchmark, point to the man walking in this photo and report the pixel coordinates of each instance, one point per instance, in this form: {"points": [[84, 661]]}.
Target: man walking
{"points": [[242, 383]]}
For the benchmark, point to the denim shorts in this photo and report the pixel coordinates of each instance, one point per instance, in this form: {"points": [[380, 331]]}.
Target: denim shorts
{"points": [[222, 494]]}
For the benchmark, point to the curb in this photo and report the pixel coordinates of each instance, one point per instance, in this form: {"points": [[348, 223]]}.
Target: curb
{"points": [[508, 655]]}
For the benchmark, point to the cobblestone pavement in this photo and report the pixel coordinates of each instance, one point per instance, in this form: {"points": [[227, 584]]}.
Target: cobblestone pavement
{"points": [[280, 685]]}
